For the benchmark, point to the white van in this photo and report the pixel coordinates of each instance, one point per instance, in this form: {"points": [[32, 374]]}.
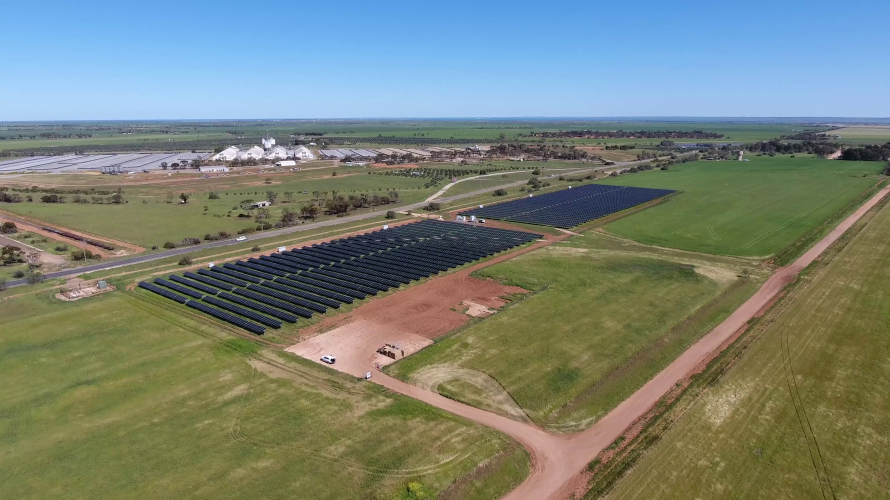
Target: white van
{"points": [[241, 238], [328, 359]]}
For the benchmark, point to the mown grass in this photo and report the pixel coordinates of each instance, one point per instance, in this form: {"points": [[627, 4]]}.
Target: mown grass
{"points": [[803, 411], [112, 397], [602, 322], [754, 208]]}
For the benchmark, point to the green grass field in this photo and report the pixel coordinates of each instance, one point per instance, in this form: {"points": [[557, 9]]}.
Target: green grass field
{"points": [[863, 134], [604, 316], [803, 413], [147, 219], [117, 397], [752, 209]]}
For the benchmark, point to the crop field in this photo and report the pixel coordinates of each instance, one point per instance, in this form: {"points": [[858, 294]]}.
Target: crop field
{"points": [[859, 134], [751, 209], [804, 412], [132, 401], [148, 220], [161, 136], [604, 316]]}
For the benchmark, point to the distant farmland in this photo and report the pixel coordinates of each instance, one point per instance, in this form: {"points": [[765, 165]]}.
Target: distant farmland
{"points": [[804, 412], [751, 209]]}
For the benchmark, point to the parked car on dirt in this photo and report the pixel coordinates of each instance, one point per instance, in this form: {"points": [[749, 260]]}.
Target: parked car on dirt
{"points": [[328, 359]]}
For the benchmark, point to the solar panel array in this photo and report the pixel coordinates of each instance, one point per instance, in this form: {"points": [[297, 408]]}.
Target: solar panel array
{"points": [[298, 283], [570, 207]]}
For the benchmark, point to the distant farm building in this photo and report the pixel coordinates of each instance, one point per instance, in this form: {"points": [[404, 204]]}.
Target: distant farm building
{"points": [[227, 154], [261, 204], [273, 152], [213, 168]]}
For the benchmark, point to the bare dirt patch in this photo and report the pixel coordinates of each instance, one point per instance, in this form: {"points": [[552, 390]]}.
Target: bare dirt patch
{"points": [[477, 310], [355, 345]]}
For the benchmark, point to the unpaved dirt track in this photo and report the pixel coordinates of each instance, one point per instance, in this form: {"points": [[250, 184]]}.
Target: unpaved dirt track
{"points": [[557, 460]]}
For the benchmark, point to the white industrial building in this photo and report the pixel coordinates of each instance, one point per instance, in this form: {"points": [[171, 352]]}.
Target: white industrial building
{"points": [[254, 153], [272, 152], [213, 168], [275, 153], [301, 153], [227, 154]]}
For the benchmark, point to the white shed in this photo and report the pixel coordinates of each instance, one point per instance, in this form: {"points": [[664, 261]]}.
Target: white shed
{"points": [[213, 168], [301, 153], [276, 153], [228, 154], [254, 153]]}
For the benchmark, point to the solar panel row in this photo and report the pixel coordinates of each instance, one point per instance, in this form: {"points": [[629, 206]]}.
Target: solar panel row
{"points": [[570, 207], [311, 279]]}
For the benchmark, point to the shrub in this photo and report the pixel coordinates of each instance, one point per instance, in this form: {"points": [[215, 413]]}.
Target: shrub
{"points": [[34, 276], [536, 171], [61, 248], [190, 241], [8, 228], [500, 192], [213, 196], [185, 261], [390, 214], [255, 248], [169, 244], [432, 207], [84, 255], [18, 274], [2, 284], [247, 230]]}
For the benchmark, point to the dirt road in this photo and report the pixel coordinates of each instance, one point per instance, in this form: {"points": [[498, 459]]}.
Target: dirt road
{"points": [[557, 460]]}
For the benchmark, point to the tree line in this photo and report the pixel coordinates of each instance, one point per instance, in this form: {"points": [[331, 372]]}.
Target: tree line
{"points": [[875, 152], [628, 134]]}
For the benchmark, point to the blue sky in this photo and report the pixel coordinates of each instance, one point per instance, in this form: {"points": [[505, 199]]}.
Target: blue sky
{"points": [[291, 59]]}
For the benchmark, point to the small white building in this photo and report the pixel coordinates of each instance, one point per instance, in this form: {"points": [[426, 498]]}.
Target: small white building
{"points": [[285, 163], [228, 154], [261, 204], [213, 168]]}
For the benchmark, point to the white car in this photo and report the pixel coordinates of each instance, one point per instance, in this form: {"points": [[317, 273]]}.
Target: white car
{"points": [[481, 221], [241, 238], [328, 359]]}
